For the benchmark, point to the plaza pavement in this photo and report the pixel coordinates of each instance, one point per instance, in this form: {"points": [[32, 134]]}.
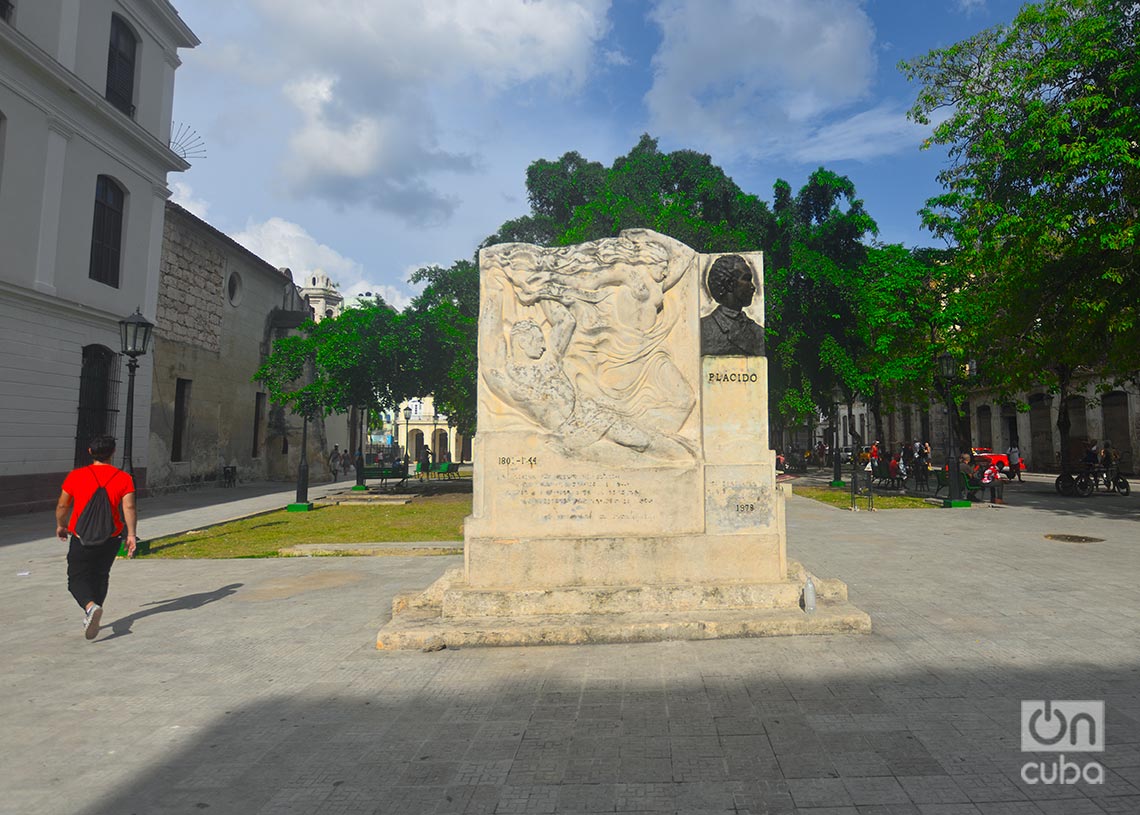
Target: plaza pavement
{"points": [[253, 686]]}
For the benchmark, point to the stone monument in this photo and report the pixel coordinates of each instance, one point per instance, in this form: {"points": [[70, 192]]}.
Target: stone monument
{"points": [[623, 486]]}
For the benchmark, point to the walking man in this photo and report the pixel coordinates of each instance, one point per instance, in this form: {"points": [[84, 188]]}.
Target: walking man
{"points": [[334, 461], [89, 562]]}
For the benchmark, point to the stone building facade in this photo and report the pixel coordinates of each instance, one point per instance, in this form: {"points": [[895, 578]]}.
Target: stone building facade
{"points": [[86, 93], [220, 307], [1095, 414]]}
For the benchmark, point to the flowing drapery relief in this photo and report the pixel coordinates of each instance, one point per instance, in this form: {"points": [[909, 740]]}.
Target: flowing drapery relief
{"points": [[582, 344]]}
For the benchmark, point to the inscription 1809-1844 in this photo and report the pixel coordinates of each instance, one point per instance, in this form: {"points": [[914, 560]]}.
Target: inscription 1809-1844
{"points": [[569, 497]]}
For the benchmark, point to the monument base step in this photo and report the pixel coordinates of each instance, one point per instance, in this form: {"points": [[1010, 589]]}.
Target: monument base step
{"points": [[463, 601], [419, 628], [576, 615]]}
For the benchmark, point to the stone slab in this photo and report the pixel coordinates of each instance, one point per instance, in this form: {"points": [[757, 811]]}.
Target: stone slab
{"points": [[623, 561], [371, 549], [416, 629], [462, 601]]}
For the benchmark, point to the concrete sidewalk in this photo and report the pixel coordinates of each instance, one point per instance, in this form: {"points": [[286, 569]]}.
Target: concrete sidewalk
{"points": [[252, 686]]}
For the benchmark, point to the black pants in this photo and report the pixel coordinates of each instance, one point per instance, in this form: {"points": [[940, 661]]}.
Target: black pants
{"points": [[89, 569]]}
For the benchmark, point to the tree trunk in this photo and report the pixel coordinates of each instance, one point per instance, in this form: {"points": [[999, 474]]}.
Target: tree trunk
{"points": [[1064, 380]]}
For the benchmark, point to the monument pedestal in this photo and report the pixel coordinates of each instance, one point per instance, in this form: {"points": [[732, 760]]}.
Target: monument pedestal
{"points": [[452, 613], [624, 490]]}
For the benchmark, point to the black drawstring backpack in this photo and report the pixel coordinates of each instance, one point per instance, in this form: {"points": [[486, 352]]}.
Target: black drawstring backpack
{"points": [[97, 522]]}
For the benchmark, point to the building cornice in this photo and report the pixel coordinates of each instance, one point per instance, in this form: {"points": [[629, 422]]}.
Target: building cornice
{"points": [[63, 81], [54, 302]]}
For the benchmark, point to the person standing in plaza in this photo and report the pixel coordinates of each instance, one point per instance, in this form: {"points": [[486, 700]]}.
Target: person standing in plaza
{"points": [[1014, 456], [334, 460], [89, 562]]}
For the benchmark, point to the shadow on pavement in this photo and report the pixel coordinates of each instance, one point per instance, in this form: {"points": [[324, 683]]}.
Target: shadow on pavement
{"points": [[601, 732], [122, 626]]}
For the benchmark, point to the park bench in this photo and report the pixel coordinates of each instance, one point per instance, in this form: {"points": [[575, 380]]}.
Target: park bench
{"points": [[444, 469], [969, 490], [386, 472]]}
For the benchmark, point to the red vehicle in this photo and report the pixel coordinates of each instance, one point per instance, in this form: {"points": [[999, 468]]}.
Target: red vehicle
{"points": [[984, 455]]}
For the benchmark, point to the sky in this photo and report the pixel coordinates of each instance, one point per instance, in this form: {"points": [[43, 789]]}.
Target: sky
{"points": [[368, 138]]}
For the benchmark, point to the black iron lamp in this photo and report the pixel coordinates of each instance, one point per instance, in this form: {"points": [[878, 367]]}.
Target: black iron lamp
{"points": [[134, 335], [948, 370]]}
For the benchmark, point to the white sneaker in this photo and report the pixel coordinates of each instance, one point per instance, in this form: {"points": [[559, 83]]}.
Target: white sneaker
{"points": [[91, 621]]}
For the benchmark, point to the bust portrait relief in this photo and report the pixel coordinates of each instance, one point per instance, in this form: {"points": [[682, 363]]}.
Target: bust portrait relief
{"points": [[728, 331]]}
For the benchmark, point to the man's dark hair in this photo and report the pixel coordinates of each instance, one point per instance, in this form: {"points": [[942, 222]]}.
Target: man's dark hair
{"points": [[724, 273], [102, 448]]}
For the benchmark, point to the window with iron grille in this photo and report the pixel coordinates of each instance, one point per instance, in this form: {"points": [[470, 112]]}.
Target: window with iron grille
{"points": [[98, 399], [107, 232], [121, 66]]}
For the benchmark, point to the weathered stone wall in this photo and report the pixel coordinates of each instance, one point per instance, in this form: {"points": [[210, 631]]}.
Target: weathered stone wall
{"points": [[190, 296], [219, 308]]}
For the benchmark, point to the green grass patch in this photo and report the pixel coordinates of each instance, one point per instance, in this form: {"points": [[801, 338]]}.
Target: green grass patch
{"points": [[438, 518], [840, 497]]}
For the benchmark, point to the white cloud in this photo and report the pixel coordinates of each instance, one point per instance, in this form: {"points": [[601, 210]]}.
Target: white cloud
{"points": [[286, 244], [182, 194], [757, 77], [502, 42], [970, 6], [371, 79], [881, 131], [381, 159]]}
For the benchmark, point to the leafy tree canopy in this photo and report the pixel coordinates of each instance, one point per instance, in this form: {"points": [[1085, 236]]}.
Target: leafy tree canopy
{"points": [[1041, 196]]}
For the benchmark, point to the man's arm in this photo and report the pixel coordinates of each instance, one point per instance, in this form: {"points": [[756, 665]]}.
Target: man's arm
{"points": [[131, 519], [562, 325], [62, 510]]}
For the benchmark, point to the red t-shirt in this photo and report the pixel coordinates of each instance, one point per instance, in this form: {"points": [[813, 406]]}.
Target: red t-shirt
{"points": [[81, 484]]}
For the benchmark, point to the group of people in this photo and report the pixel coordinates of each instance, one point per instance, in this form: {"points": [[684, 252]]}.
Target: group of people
{"points": [[1107, 457], [340, 461]]}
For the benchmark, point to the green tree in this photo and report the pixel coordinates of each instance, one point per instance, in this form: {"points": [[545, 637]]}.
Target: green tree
{"points": [[1042, 192], [681, 194], [812, 285], [350, 361], [440, 338]]}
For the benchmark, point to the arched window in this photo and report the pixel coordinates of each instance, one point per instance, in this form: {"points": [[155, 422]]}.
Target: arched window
{"points": [[107, 232], [121, 66], [98, 398]]}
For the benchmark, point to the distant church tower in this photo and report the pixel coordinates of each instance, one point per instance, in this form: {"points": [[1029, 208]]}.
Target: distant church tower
{"points": [[323, 297]]}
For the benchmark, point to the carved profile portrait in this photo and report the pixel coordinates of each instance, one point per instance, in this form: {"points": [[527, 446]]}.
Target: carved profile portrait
{"points": [[728, 330]]}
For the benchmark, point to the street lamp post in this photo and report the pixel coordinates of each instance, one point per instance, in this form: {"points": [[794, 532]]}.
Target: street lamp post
{"points": [[948, 370], [407, 434], [134, 335], [302, 472], [836, 464]]}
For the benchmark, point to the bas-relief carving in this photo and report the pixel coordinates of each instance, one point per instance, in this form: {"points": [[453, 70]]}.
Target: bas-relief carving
{"points": [[581, 343]]}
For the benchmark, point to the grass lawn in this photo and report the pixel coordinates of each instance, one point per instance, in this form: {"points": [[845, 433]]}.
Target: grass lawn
{"points": [[438, 518], [841, 497]]}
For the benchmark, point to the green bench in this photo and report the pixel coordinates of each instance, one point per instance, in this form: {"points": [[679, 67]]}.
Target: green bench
{"points": [[969, 490], [444, 469], [386, 473]]}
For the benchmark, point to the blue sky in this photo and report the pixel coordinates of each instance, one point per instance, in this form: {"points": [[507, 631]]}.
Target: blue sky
{"points": [[367, 138]]}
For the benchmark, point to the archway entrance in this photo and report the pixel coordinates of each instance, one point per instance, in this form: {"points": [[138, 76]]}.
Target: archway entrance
{"points": [[985, 427], [439, 445], [1115, 408], [1041, 432], [415, 444]]}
